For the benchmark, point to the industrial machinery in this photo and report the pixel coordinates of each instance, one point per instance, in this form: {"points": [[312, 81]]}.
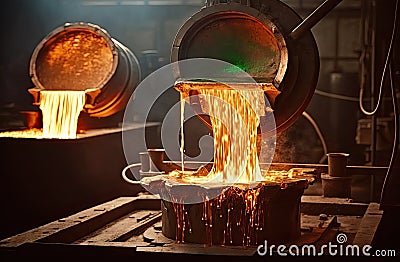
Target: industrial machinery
{"points": [[271, 43], [83, 56], [268, 42], [75, 57]]}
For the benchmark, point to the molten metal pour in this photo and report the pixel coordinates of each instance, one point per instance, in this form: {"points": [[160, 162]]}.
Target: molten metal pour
{"points": [[230, 204], [70, 69]]}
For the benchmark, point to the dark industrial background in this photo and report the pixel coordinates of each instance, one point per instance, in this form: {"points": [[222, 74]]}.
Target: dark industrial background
{"points": [[148, 28]]}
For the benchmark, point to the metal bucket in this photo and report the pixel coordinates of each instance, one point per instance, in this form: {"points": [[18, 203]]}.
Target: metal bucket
{"points": [[276, 218], [255, 37], [83, 56]]}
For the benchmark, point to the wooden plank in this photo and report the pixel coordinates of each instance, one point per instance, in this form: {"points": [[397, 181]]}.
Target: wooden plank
{"points": [[70, 252], [130, 244], [125, 228], [315, 205], [200, 249], [116, 228], [316, 232], [349, 224], [369, 225], [71, 228]]}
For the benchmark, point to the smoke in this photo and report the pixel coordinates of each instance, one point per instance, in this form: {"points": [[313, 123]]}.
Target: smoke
{"points": [[285, 148], [298, 144]]}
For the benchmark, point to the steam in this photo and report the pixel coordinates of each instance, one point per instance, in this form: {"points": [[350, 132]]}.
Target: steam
{"points": [[285, 150]]}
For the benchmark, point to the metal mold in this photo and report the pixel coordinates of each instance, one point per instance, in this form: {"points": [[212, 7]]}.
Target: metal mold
{"points": [[275, 217]]}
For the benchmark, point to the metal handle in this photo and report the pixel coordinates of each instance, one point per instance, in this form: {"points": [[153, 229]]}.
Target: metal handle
{"points": [[124, 176], [314, 18]]}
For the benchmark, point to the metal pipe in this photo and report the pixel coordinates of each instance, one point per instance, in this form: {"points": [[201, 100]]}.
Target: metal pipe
{"points": [[335, 61], [373, 89], [314, 18]]}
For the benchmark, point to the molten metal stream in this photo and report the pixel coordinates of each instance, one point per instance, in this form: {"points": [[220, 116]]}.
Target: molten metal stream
{"points": [[235, 121], [182, 148], [61, 111], [235, 117], [68, 65]]}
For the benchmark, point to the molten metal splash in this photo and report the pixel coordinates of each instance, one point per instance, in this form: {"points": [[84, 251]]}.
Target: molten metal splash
{"points": [[239, 212], [28, 133]]}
